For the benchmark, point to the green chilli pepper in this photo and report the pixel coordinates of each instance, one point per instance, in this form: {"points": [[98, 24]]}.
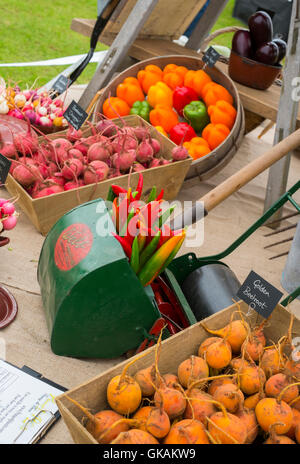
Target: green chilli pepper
{"points": [[152, 195], [135, 256], [150, 249]]}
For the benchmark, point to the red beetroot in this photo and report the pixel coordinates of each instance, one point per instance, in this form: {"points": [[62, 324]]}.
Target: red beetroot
{"points": [[155, 146], [95, 172], [124, 161], [106, 127], [74, 153], [144, 152], [45, 192], [141, 132], [138, 167], [179, 153], [72, 169], [82, 146], [98, 151], [26, 174], [73, 134], [26, 142], [124, 143], [71, 185]]}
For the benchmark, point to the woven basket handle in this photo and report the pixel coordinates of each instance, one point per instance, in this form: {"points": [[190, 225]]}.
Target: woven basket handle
{"points": [[224, 30]]}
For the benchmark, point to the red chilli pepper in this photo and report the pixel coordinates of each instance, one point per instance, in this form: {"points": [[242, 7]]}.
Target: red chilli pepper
{"points": [[139, 187], [118, 190], [160, 196], [125, 245]]}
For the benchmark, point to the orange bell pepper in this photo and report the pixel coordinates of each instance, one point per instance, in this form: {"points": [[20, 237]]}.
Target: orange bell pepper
{"points": [[149, 76], [215, 134], [160, 94], [222, 113], [214, 92], [197, 80], [164, 116], [197, 147], [173, 75], [130, 91], [113, 107]]}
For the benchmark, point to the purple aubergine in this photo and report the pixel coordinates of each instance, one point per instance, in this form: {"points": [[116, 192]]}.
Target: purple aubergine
{"points": [[267, 53], [241, 44], [261, 28], [282, 48]]}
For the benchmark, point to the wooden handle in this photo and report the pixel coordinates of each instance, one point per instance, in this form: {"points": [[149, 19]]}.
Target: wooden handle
{"points": [[249, 172]]}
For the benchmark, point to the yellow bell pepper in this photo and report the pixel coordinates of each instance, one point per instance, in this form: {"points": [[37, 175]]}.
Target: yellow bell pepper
{"points": [[160, 94]]}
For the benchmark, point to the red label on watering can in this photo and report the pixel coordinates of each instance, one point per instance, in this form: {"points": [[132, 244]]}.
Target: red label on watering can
{"points": [[72, 246]]}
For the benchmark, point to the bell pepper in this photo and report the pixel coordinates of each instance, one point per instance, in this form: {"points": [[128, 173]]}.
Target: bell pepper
{"points": [[160, 94], [214, 92], [130, 91], [197, 147], [161, 130], [163, 116], [215, 134], [173, 75], [149, 76], [182, 96], [182, 132], [154, 265], [197, 80], [142, 109], [222, 113], [196, 114], [113, 107]]}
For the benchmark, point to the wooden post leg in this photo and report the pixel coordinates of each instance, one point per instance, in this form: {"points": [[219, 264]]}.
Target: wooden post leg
{"points": [[205, 24], [119, 48], [287, 115]]}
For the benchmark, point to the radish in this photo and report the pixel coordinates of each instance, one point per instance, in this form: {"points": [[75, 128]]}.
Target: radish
{"points": [[72, 168], [8, 209], [95, 172], [10, 222]]}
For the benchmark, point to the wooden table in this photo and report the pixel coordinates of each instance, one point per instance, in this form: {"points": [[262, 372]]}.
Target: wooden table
{"points": [[258, 104]]}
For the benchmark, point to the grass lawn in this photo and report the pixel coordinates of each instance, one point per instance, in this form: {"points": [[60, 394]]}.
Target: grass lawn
{"points": [[34, 30]]}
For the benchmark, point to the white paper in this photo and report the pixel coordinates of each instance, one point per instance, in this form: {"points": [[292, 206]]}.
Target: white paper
{"points": [[23, 397]]}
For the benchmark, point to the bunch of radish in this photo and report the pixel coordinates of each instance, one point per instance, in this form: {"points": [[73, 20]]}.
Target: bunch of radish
{"points": [[84, 157], [8, 215], [234, 390], [33, 104]]}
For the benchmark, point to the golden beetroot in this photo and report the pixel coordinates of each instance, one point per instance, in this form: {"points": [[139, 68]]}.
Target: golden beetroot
{"points": [[200, 405], [135, 437], [252, 348], [272, 361], [101, 423], [235, 333], [205, 344], [238, 363], [146, 378], [251, 379], [296, 421], [275, 439], [297, 434], [218, 354], [230, 396], [218, 383], [192, 369], [187, 432], [227, 429], [172, 401], [153, 420], [251, 401], [270, 411], [276, 383], [247, 416], [170, 380]]}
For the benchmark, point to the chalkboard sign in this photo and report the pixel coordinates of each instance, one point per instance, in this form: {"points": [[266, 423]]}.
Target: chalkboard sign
{"points": [[61, 84], [4, 168], [210, 57], [75, 115], [259, 294]]}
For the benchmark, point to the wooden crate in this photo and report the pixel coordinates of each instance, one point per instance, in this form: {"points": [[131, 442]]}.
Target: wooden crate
{"points": [[45, 212], [92, 394], [168, 20]]}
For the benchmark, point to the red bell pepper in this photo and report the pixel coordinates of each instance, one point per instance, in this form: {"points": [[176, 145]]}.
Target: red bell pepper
{"points": [[182, 96], [181, 133]]}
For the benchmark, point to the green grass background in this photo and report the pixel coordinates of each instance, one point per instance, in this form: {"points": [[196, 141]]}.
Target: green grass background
{"points": [[34, 30]]}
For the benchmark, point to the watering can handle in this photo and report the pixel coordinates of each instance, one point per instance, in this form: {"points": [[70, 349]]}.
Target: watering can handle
{"points": [[238, 180]]}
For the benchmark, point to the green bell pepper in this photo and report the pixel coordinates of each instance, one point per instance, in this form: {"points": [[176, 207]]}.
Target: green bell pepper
{"points": [[142, 109], [196, 114]]}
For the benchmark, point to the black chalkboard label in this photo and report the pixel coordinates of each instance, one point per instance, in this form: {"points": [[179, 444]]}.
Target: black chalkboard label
{"points": [[259, 294], [5, 165], [210, 57], [75, 115], [61, 84]]}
